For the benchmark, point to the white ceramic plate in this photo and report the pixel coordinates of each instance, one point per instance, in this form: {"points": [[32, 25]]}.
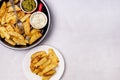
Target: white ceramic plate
{"points": [[26, 64]]}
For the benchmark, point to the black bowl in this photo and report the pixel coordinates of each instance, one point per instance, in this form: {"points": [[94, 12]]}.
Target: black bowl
{"points": [[44, 30]]}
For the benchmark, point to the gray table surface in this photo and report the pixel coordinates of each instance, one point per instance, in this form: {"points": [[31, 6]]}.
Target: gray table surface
{"points": [[87, 32]]}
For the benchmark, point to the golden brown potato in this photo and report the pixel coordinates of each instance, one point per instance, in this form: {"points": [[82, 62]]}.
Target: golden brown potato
{"points": [[27, 26], [17, 29], [16, 35], [10, 42], [10, 9], [35, 37], [40, 73], [44, 65], [47, 63], [36, 71], [2, 13], [39, 53], [3, 18], [3, 9], [4, 33], [19, 41], [11, 19], [21, 14], [33, 31], [41, 62], [53, 56], [50, 73], [18, 38], [9, 28], [25, 17], [9, 14], [32, 67], [50, 67], [34, 61]]}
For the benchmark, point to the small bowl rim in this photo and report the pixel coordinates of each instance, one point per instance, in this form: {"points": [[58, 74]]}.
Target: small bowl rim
{"points": [[28, 11], [38, 12]]}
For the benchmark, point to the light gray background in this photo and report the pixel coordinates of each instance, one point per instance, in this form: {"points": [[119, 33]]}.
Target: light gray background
{"points": [[87, 32]]}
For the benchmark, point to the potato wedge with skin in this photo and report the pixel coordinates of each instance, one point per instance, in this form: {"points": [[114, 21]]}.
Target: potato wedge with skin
{"points": [[19, 41], [21, 14], [10, 42], [33, 56], [26, 25], [16, 29], [53, 56], [4, 33], [39, 53], [10, 9], [33, 31], [11, 19], [9, 28], [35, 60], [42, 61], [9, 14], [36, 71], [46, 63], [50, 73], [49, 67], [3, 9], [2, 13], [25, 17], [40, 73], [3, 19], [16, 35], [34, 37], [32, 68]]}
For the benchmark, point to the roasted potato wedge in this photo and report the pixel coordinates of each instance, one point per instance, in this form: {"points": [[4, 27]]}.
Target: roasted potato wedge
{"points": [[34, 37], [3, 9], [43, 65], [10, 42], [25, 17], [4, 33], [27, 26], [19, 41], [16, 35], [9, 28], [10, 9]]}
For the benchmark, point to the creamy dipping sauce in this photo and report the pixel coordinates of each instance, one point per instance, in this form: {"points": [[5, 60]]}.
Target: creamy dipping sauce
{"points": [[38, 20]]}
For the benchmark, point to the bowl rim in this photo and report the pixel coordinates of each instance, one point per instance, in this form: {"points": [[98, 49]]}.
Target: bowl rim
{"points": [[38, 12], [33, 45], [28, 11]]}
